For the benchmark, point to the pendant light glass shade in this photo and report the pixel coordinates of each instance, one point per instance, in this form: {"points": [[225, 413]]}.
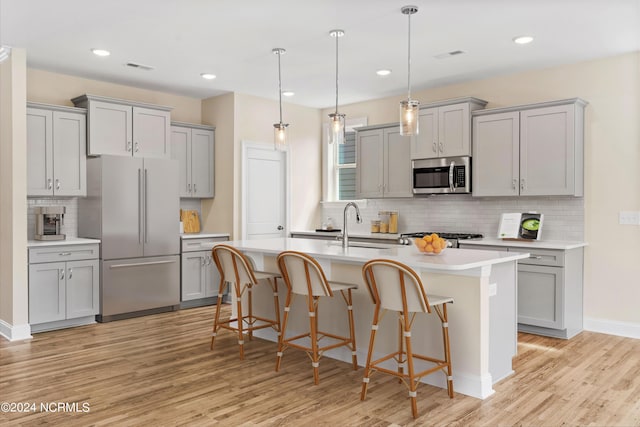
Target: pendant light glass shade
{"points": [[409, 107], [280, 129], [336, 125]]}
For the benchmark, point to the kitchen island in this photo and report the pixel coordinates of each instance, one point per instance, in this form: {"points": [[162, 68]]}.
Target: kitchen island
{"points": [[482, 319]]}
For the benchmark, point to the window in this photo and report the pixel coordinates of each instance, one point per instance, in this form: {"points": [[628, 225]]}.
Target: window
{"points": [[339, 180], [345, 168]]}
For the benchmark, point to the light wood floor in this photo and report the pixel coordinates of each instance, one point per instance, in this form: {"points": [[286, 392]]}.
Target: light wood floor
{"points": [[158, 370]]}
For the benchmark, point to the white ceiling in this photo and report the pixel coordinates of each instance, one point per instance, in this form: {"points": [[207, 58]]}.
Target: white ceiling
{"points": [[233, 39]]}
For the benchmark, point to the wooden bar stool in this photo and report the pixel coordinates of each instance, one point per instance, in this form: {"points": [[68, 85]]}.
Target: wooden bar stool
{"points": [[236, 269], [304, 276], [396, 287]]}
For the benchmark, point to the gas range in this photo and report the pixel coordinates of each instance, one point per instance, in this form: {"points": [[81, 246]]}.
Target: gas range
{"points": [[407, 238]]}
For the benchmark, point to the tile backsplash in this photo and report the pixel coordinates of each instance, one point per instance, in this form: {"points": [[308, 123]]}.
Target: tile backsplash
{"points": [[563, 216]]}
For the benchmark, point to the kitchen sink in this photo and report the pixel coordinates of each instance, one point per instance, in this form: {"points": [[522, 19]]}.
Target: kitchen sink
{"points": [[353, 244]]}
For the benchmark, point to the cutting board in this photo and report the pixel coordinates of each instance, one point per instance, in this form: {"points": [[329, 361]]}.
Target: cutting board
{"points": [[190, 221]]}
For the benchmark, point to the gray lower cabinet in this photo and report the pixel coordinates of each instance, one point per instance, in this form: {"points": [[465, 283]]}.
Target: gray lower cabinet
{"points": [[549, 290], [200, 278], [63, 286]]}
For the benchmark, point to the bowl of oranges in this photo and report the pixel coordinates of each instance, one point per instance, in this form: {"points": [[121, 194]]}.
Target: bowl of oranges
{"points": [[431, 244]]}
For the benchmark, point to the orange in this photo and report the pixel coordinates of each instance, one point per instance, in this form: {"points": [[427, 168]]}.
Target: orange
{"points": [[437, 250], [428, 248], [420, 243]]}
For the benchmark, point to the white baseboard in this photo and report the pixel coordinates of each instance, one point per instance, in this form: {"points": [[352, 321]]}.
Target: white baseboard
{"points": [[15, 332], [612, 327]]}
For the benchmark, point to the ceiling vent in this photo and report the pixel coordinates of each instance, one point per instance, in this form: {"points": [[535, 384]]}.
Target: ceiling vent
{"points": [[139, 66], [449, 54]]}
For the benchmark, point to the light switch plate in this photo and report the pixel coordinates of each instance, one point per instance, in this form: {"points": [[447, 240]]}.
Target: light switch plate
{"points": [[629, 218], [493, 289]]}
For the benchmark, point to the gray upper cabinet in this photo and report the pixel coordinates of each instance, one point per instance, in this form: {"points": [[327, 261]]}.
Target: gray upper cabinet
{"points": [[56, 150], [193, 146], [126, 128], [383, 162], [534, 150], [445, 129]]}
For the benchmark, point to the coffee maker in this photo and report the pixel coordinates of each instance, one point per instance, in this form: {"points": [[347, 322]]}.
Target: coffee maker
{"points": [[49, 220]]}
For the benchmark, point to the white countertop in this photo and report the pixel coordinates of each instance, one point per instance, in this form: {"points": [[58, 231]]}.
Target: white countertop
{"points": [[65, 242], [450, 260], [202, 235], [542, 244]]}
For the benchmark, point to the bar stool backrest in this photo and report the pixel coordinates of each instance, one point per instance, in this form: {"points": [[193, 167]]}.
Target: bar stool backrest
{"points": [[395, 286], [302, 274], [233, 265]]}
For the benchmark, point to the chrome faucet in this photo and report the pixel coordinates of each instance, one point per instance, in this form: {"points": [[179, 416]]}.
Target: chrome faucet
{"points": [[345, 233]]}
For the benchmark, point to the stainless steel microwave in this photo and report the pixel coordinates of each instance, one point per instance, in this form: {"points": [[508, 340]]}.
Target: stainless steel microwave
{"points": [[446, 175]]}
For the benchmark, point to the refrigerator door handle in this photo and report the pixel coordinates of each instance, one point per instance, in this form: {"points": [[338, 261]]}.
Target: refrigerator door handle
{"points": [[139, 206], [146, 205], [139, 264]]}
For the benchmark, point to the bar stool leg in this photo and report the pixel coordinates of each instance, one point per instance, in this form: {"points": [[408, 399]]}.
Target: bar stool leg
{"points": [[250, 304], [313, 321], [352, 330], [281, 340], [276, 303], [412, 381], [447, 348], [401, 354], [367, 366], [217, 317], [239, 318]]}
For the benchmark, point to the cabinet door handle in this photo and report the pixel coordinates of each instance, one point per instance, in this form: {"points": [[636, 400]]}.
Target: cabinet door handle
{"points": [[62, 274], [535, 257], [128, 145], [195, 190], [137, 147], [435, 149], [70, 273], [57, 184], [522, 184], [514, 184], [49, 183], [188, 188], [64, 253], [441, 147]]}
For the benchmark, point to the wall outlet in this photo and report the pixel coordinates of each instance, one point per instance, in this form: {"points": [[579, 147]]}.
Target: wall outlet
{"points": [[629, 217]]}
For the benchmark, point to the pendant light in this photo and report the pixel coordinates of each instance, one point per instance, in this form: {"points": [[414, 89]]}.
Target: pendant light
{"points": [[280, 129], [409, 107], [336, 128]]}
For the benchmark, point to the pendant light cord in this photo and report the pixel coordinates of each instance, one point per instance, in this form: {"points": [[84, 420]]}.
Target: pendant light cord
{"points": [[409, 62], [337, 37], [280, 85]]}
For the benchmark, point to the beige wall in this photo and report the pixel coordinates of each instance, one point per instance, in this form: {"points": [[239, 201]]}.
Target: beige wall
{"points": [[239, 117], [59, 89], [13, 193], [612, 158]]}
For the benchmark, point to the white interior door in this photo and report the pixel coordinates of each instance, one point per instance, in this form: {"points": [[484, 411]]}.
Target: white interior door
{"points": [[264, 192]]}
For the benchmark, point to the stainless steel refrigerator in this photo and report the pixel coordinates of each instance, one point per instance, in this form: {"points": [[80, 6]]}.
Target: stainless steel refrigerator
{"points": [[132, 206]]}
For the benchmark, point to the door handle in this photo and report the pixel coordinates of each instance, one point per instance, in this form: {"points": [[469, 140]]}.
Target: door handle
{"points": [[280, 227], [62, 274], [188, 188], [441, 147], [57, 184], [70, 273], [195, 190], [514, 184], [49, 184], [451, 166], [522, 184], [128, 145], [435, 150], [137, 147]]}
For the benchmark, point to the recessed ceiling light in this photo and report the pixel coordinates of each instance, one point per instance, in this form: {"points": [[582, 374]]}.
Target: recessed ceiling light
{"points": [[208, 76], [383, 72], [523, 39], [288, 93], [100, 52]]}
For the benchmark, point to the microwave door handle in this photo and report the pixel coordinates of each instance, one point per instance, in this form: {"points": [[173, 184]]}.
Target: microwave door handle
{"points": [[451, 166]]}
